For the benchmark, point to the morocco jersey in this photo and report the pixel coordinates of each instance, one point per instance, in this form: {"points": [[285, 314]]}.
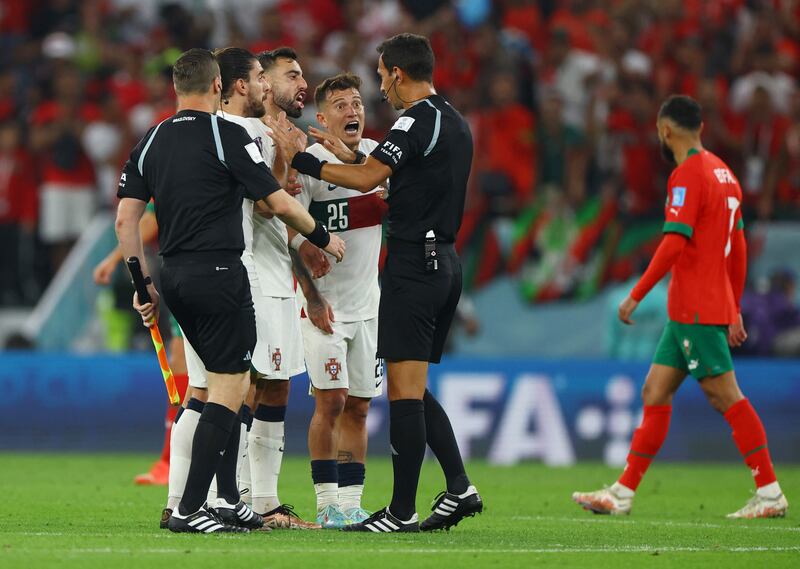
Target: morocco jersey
{"points": [[703, 204], [273, 264], [351, 286]]}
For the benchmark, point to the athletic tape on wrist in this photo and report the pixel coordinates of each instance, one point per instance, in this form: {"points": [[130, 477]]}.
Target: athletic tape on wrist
{"points": [[307, 163], [297, 241]]}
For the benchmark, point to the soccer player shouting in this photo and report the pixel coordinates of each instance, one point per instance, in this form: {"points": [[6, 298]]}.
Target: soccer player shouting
{"points": [[344, 369], [705, 249]]}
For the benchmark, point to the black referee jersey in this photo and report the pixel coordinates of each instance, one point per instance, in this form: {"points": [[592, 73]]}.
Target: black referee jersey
{"points": [[429, 150], [197, 167]]}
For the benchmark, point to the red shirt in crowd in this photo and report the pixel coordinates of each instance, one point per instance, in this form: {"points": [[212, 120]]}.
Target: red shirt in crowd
{"points": [[18, 202]]}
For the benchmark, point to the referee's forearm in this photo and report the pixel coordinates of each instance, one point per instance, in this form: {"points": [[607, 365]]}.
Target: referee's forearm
{"points": [[291, 212], [130, 242]]}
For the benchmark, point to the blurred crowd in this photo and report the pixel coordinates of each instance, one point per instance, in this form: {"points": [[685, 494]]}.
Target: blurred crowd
{"points": [[562, 95]]}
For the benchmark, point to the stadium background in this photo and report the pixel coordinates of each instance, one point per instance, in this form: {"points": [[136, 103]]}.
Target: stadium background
{"points": [[563, 211]]}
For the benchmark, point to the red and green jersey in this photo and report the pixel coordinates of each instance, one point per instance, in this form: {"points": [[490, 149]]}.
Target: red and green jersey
{"points": [[703, 204]]}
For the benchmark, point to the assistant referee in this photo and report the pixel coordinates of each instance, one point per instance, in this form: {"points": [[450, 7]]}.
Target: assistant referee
{"points": [[427, 155], [197, 168]]}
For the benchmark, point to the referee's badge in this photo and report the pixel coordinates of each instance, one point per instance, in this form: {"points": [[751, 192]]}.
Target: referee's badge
{"points": [[276, 359], [333, 367]]}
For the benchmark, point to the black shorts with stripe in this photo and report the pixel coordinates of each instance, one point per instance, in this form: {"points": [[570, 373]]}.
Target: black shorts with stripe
{"points": [[417, 307], [209, 295]]}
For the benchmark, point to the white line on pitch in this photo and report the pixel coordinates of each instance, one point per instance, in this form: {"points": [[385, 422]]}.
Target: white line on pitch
{"points": [[422, 551], [607, 520]]}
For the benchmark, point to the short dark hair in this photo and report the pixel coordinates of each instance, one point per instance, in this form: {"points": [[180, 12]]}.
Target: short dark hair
{"points": [[194, 71], [411, 53], [234, 63], [268, 58], [683, 111], [339, 82]]}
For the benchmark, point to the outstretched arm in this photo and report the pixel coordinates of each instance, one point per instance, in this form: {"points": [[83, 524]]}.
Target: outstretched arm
{"points": [[737, 273]]}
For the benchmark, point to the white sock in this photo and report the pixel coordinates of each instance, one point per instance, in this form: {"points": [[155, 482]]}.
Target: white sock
{"points": [[327, 494], [349, 497], [265, 449], [180, 451], [772, 490], [243, 468], [621, 490]]}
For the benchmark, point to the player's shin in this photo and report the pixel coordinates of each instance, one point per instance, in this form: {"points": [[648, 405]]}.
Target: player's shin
{"points": [[407, 436], [181, 450], [646, 443], [751, 440], [265, 449], [442, 440]]}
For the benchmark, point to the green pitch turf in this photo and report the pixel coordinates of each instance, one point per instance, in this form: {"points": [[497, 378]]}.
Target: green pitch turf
{"points": [[82, 511]]}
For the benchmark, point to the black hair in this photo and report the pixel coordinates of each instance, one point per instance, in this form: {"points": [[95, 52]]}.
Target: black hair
{"points": [[194, 71], [268, 58], [683, 111], [234, 63], [411, 53], [339, 82]]}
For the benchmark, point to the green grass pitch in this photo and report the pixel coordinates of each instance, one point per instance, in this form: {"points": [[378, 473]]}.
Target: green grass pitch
{"points": [[83, 511]]}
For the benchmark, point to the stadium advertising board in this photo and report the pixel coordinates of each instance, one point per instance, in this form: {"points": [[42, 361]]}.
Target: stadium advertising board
{"points": [[506, 411]]}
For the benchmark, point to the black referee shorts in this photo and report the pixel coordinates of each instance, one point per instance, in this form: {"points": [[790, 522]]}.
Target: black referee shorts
{"points": [[209, 295], [417, 307]]}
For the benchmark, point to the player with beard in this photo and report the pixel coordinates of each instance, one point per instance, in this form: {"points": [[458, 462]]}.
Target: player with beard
{"points": [[280, 355], [705, 249], [341, 356]]}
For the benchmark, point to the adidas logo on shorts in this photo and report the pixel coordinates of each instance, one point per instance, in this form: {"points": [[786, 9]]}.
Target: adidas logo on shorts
{"points": [[247, 357]]}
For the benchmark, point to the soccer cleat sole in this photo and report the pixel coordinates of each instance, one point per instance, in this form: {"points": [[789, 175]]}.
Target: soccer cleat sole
{"points": [[600, 507]]}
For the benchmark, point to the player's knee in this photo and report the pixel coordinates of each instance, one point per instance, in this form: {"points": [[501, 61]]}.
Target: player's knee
{"points": [[276, 393], [356, 409], [654, 395], [330, 404]]}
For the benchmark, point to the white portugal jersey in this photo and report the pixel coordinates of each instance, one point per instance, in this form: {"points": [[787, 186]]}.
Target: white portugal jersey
{"points": [[247, 205], [351, 287], [273, 264]]}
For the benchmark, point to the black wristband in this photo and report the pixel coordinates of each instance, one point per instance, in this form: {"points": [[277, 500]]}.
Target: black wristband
{"points": [[307, 163], [360, 157], [320, 236], [147, 280]]}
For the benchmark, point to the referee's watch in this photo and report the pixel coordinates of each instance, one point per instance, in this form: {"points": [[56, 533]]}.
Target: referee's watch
{"points": [[360, 157]]}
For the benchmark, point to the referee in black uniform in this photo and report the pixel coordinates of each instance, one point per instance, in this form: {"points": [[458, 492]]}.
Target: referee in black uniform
{"points": [[427, 155], [197, 168]]}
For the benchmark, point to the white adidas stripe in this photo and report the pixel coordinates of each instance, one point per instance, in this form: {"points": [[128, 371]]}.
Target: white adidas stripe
{"points": [[390, 524], [197, 521], [373, 529], [205, 525], [447, 507], [212, 528], [380, 526], [450, 503], [442, 512]]}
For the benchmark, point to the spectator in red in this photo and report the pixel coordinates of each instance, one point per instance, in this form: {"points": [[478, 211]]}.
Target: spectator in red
{"points": [[67, 191], [17, 215], [631, 135], [782, 188], [505, 154], [761, 139]]}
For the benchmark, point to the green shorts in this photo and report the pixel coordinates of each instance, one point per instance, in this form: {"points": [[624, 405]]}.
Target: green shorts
{"points": [[698, 349], [176, 330]]}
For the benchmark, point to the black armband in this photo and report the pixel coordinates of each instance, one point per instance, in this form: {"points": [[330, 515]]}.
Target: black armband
{"points": [[307, 163], [320, 236]]}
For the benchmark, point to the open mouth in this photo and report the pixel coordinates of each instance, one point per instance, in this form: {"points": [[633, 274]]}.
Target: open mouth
{"points": [[351, 127], [301, 96]]}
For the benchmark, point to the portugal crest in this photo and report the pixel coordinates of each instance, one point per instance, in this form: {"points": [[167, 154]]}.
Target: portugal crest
{"points": [[333, 367], [276, 359]]}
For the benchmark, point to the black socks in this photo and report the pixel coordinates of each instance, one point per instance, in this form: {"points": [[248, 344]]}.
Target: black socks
{"points": [[210, 442], [407, 436], [440, 438]]}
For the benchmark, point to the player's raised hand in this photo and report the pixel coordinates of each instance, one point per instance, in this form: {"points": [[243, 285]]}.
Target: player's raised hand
{"points": [[293, 186], [626, 308], [333, 144], [289, 138], [104, 269], [736, 333], [321, 314], [314, 259], [336, 248], [149, 310]]}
